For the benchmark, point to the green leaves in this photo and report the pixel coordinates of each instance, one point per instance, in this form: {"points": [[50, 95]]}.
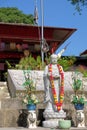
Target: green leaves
{"points": [[26, 83], [13, 15], [30, 88], [30, 63], [75, 100], [78, 4], [78, 97], [66, 62], [77, 84], [78, 100], [81, 100]]}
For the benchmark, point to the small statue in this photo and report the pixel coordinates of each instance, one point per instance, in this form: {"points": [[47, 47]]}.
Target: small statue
{"points": [[32, 119]]}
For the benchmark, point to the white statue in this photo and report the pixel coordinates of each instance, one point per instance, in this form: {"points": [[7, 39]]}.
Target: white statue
{"points": [[54, 91]]}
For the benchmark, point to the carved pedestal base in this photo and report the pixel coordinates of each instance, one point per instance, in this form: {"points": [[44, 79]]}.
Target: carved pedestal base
{"points": [[51, 123], [80, 118], [52, 118], [32, 119]]}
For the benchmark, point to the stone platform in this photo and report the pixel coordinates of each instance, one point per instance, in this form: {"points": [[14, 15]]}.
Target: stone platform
{"points": [[39, 128], [10, 103]]}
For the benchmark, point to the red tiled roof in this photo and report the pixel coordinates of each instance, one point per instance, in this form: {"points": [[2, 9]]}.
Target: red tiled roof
{"points": [[32, 34]]}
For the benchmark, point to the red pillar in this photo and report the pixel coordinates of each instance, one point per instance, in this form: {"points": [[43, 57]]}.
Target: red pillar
{"points": [[54, 46]]}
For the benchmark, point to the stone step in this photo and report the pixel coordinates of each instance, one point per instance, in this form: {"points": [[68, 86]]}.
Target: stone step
{"points": [[8, 118], [6, 102], [11, 103], [4, 93], [9, 107], [10, 110]]}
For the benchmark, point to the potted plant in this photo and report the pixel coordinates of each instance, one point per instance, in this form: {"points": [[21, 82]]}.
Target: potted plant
{"points": [[78, 98], [29, 98]]}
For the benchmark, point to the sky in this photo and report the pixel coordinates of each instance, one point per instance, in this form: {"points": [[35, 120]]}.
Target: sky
{"points": [[57, 13]]}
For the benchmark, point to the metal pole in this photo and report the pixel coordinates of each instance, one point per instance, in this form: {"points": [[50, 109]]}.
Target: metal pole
{"points": [[42, 32]]}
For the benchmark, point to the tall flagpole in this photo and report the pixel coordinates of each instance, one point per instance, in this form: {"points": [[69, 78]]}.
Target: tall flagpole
{"points": [[42, 31]]}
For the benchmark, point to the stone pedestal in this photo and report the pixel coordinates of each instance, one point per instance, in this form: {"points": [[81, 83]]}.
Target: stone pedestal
{"points": [[52, 118], [32, 119], [80, 118]]}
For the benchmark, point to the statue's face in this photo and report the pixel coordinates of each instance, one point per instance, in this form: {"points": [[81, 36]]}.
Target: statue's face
{"points": [[54, 59]]}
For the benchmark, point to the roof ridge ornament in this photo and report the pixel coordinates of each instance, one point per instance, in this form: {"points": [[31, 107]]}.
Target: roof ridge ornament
{"points": [[58, 56]]}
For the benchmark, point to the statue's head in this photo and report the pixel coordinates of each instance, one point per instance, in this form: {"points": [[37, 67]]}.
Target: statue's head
{"points": [[54, 58]]}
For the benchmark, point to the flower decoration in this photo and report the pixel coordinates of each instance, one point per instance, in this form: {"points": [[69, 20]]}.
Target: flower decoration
{"points": [[78, 99], [77, 81], [77, 85], [57, 103], [30, 99], [30, 88]]}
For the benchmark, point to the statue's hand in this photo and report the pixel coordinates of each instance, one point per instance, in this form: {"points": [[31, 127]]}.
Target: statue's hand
{"points": [[49, 74], [46, 99], [56, 76]]}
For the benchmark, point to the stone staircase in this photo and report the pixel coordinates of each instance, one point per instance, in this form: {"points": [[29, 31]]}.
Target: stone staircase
{"points": [[9, 107], [4, 91]]}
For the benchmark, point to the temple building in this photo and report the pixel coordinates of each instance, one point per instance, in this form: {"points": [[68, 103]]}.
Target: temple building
{"points": [[15, 37]]}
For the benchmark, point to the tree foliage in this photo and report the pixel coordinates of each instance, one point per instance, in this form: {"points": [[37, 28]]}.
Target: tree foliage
{"points": [[79, 4], [13, 15]]}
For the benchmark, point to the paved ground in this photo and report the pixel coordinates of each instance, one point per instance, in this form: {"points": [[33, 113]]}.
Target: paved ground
{"points": [[21, 128], [39, 128]]}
